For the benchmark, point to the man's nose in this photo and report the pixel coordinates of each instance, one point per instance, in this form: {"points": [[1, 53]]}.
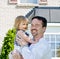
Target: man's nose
{"points": [[33, 27]]}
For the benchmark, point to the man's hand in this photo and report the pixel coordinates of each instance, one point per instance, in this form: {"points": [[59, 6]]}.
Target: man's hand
{"points": [[16, 55]]}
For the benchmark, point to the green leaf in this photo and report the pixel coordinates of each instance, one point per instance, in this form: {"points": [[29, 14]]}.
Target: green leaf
{"points": [[8, 43]]}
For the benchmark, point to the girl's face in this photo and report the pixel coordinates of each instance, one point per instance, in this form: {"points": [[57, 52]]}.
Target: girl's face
{"points": [[23, 25]]}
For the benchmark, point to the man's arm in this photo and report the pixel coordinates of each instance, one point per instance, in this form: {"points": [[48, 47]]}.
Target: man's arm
{"points": [[39, 51], [25, 37], [27, 54], [15, 55]]}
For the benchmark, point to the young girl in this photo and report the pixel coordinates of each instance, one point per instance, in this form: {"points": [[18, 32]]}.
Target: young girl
{"points": [[22, 37]]}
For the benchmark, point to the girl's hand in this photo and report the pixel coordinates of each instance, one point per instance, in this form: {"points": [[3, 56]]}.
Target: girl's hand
{"points": [[19, 41]]}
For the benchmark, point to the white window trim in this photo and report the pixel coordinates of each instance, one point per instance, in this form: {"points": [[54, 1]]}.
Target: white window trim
{"points": [[53, 24]]}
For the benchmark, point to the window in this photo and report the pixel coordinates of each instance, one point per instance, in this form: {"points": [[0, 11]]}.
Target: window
{"points": [[52, 34], [27, 3], [54, 41]]}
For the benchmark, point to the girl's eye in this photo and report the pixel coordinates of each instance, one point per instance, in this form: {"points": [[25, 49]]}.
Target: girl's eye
{"points": [[25, 24]]}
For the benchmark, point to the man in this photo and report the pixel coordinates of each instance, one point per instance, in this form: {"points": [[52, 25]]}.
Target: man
{"points": [[41, 49]]}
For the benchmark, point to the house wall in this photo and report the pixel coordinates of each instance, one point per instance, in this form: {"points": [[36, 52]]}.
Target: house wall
{"points": [[53, 2], [8, 13]]}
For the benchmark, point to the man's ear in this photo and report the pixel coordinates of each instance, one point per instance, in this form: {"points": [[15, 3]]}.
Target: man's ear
{"points": [[44, 29]]}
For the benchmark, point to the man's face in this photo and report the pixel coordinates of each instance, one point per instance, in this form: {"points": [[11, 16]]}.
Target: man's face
{"points": [[36, 27]]}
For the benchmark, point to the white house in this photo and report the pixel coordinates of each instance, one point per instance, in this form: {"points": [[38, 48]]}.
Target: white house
{"points": [[10, 10]]}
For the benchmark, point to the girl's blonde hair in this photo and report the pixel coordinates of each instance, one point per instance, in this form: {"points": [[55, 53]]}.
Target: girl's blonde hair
{"points": [[18, 20]]}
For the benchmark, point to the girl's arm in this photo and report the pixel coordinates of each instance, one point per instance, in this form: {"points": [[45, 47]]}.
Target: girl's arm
{"points": [[25, 37]]}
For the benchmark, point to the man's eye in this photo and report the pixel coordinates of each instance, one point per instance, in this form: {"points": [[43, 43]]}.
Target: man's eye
{"points": [[23, 24], [26, 24]]}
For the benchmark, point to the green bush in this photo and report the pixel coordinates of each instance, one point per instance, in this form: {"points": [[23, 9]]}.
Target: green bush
{"points": [[8, 44]]}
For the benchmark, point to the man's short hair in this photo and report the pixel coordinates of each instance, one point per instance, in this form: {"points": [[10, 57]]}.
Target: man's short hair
{"points": [[43, 19]]}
